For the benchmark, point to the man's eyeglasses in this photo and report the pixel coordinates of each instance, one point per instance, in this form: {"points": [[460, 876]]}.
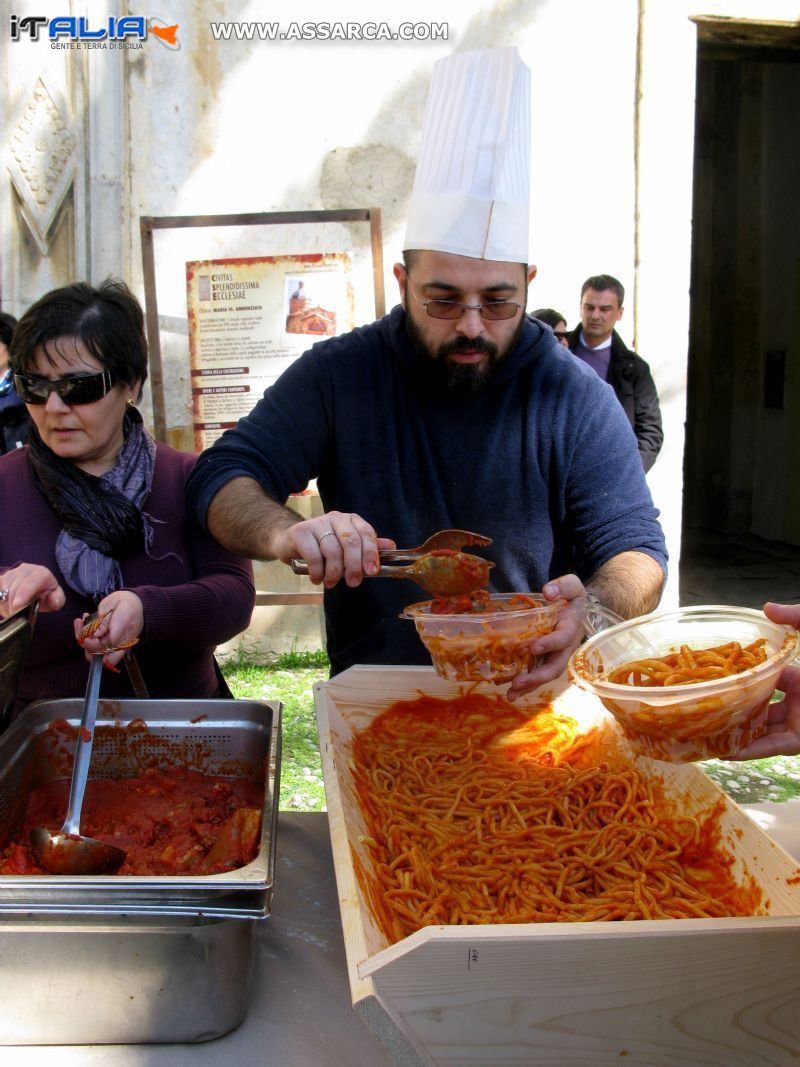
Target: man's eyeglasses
{"points": [[82, 389], [454, 309]]}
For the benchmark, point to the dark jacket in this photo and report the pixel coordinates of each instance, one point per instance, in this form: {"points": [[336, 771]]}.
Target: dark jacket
{"points": [[541, 460], [630, 378], [14, 421]]}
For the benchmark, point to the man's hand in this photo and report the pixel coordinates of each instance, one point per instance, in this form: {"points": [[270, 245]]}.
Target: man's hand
{"points": [[334, 545], [629, 584], [248, 521], [783, 721], [558, 646], [29, 582]]}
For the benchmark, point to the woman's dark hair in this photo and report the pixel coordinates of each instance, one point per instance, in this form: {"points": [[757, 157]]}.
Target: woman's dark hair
{"points": [[107, 319], [550, 317], [7, 326]]}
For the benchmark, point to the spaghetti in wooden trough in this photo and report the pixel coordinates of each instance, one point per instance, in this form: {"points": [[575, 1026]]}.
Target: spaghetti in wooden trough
{"points": [[477, 812]]}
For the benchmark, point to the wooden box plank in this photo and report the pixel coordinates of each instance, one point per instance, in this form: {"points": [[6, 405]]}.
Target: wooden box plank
{"points": [[707, 992]]}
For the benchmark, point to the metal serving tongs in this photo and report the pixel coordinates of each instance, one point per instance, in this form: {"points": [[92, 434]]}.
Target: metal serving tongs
{"points": [[454, 540], [437, 565]]}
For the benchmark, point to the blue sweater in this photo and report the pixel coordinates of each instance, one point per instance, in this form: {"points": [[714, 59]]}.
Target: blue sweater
{"points": [[543, 461]]}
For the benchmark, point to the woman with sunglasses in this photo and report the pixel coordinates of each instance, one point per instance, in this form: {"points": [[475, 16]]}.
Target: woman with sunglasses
{"points": [[93, 517], [557, 323]]}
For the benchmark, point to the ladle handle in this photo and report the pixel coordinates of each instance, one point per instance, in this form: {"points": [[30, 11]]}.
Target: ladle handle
{"points": [[83, 748]]}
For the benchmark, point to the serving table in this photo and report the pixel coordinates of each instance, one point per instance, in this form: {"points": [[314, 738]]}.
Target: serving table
{"points": [[300, 1011]]}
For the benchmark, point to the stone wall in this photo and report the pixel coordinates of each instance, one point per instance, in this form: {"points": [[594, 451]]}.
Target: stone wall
{"points": [[210, 126]]}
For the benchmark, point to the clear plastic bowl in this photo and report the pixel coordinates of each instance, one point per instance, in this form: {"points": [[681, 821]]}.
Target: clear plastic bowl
{"points": [[486, 646], [696, 720]]}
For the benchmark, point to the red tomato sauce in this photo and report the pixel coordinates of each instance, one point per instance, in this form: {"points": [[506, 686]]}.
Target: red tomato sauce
{"points": [[168, 822], [481, 602], [461, 605]]}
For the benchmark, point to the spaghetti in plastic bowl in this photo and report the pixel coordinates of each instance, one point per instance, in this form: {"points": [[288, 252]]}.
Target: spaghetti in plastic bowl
{"points": [[663, 678], [488, 645]]}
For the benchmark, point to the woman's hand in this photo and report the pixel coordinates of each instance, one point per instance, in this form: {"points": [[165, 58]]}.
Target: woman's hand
{"points": [[334, 545], [784, 614], [558, 646], [121, 617], [783, 721], [29, 582]]}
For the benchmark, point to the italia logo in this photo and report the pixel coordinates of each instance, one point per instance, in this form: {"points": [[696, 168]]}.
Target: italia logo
{"points": [[127, 28]]}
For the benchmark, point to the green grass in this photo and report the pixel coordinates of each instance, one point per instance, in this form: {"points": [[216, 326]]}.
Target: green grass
{"points": [[776, 778], [290, 679]]}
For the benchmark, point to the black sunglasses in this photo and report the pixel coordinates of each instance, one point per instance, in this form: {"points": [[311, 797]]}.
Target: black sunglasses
{"points": [[562, 335], [82, 389]]}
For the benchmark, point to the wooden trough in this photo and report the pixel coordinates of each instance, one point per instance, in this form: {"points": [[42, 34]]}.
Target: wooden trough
{"points": [[694, 993]]}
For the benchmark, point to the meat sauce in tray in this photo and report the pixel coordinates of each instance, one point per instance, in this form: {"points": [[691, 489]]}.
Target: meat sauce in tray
{"points": [[187, 790]]}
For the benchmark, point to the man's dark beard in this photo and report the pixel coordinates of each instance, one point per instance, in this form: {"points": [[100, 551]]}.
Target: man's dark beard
{"points": [[461, 381]]}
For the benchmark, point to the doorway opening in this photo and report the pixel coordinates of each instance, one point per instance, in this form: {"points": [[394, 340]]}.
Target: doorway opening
{"points": [[741, 502]]}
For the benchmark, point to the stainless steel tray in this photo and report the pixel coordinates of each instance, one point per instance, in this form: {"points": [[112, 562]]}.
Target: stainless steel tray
{"points": [[214, 736], [15, 637], [75, 981]]}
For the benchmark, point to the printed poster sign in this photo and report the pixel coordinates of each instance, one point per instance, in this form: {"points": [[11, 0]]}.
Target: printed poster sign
{"points": [[249, 319]]}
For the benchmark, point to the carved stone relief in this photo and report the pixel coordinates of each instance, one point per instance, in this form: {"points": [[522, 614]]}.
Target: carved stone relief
{"points": [[42, 161]]}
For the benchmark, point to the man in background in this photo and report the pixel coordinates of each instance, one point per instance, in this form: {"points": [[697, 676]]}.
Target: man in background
{"points": [[597, 343]]}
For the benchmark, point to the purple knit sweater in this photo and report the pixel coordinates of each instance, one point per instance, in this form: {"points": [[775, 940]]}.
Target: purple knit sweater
{"points": [[191, 604]]}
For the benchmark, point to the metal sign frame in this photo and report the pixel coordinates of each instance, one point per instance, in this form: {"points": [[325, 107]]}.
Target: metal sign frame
{"points": [[149, 223]]}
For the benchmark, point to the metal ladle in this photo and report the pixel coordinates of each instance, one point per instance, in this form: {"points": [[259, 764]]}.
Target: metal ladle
{"points": [[68, 851]]}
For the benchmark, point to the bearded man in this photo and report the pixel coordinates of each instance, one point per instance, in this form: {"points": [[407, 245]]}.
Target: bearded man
{"points": [[454, 411]]}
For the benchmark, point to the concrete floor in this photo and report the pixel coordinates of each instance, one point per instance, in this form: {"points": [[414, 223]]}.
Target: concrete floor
{"points": [[738, 569]]}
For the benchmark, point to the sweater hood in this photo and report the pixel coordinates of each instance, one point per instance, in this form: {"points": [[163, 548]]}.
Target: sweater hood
{"points": [[533, 342]]}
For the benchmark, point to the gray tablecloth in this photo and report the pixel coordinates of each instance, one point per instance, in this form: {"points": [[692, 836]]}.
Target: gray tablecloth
{"points": [[300, 1012]]}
